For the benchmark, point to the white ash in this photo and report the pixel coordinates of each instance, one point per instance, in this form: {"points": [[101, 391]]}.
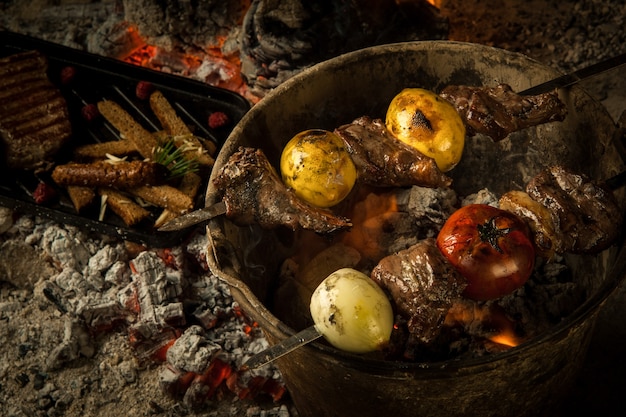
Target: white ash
{"points": [[430, 207], [483, 196], [6, 219], [79, 304], [76, 343], [192, 351]]}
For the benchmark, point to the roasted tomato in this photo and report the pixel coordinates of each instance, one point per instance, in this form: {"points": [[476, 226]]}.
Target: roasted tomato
{"points": [[490, 247]]}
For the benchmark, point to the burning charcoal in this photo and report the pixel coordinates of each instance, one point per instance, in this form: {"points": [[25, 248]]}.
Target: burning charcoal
{"points": [[70, 281], [218, 119], [207, 318], [156, 285], [385, 223], [197, 394], [192, 351], [105, 257], [118, 274], [44, 193], [483, 196], [102, 315], [173, 381], [53, 294], [204, 386], [486, 323], [171, 314], [66, 246]]}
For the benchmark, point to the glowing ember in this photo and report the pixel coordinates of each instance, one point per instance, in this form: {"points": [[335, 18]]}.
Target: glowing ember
{"points": [[484, 321], [370, 217], [211, 66]]}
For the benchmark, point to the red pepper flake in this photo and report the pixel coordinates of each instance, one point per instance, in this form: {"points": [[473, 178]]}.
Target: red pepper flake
{"points": [[144, 89], [67, 75], [44, 193], [218, 119], [90, 112]]}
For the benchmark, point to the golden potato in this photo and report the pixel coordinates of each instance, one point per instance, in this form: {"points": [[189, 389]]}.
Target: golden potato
{"points": [[352, 312], [317, 166], [426, 121]]}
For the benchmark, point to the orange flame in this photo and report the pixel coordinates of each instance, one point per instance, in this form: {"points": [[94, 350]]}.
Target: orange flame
{"points": [[487, 321], [369, 218]]}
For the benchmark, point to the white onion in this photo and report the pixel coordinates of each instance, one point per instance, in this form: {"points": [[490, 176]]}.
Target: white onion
{"points": [[352, 312]]}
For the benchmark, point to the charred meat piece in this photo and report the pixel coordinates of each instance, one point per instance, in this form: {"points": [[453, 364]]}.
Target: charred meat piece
{"points": [[422, 284], [499, 111], [254, 194], [384, 161], [34, 118], [586, 216], [538, 218]]}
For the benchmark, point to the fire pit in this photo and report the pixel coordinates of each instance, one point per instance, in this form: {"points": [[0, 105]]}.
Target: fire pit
{"points": [[530, 379]]}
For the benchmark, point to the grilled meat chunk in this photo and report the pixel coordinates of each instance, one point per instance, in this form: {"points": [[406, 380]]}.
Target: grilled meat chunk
{"points": [[384, 161], [34, 119], [538, 218], [254, 193], [499, 111], [586, 216], [423, 286]]}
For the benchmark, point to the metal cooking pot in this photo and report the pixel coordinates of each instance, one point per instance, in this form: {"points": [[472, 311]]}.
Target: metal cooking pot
{"points": [[530, 379]]}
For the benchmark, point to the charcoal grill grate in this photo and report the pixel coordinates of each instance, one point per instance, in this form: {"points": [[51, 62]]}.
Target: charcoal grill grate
{"points": [[100, 78]]}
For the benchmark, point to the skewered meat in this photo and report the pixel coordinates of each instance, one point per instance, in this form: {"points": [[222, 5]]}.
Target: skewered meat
{"points": [[498, 111], [34, 118], [586, 217], [538, 218], [382, 160], [254, 193], [422, 284]]}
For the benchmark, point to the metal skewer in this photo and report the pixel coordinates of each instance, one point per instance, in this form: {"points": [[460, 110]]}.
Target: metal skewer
{"points": [[193, 218], [281, 349], [576, 76]]}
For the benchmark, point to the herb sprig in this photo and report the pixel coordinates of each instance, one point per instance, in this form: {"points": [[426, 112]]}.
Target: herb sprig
{"points": [[173, 159]]}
